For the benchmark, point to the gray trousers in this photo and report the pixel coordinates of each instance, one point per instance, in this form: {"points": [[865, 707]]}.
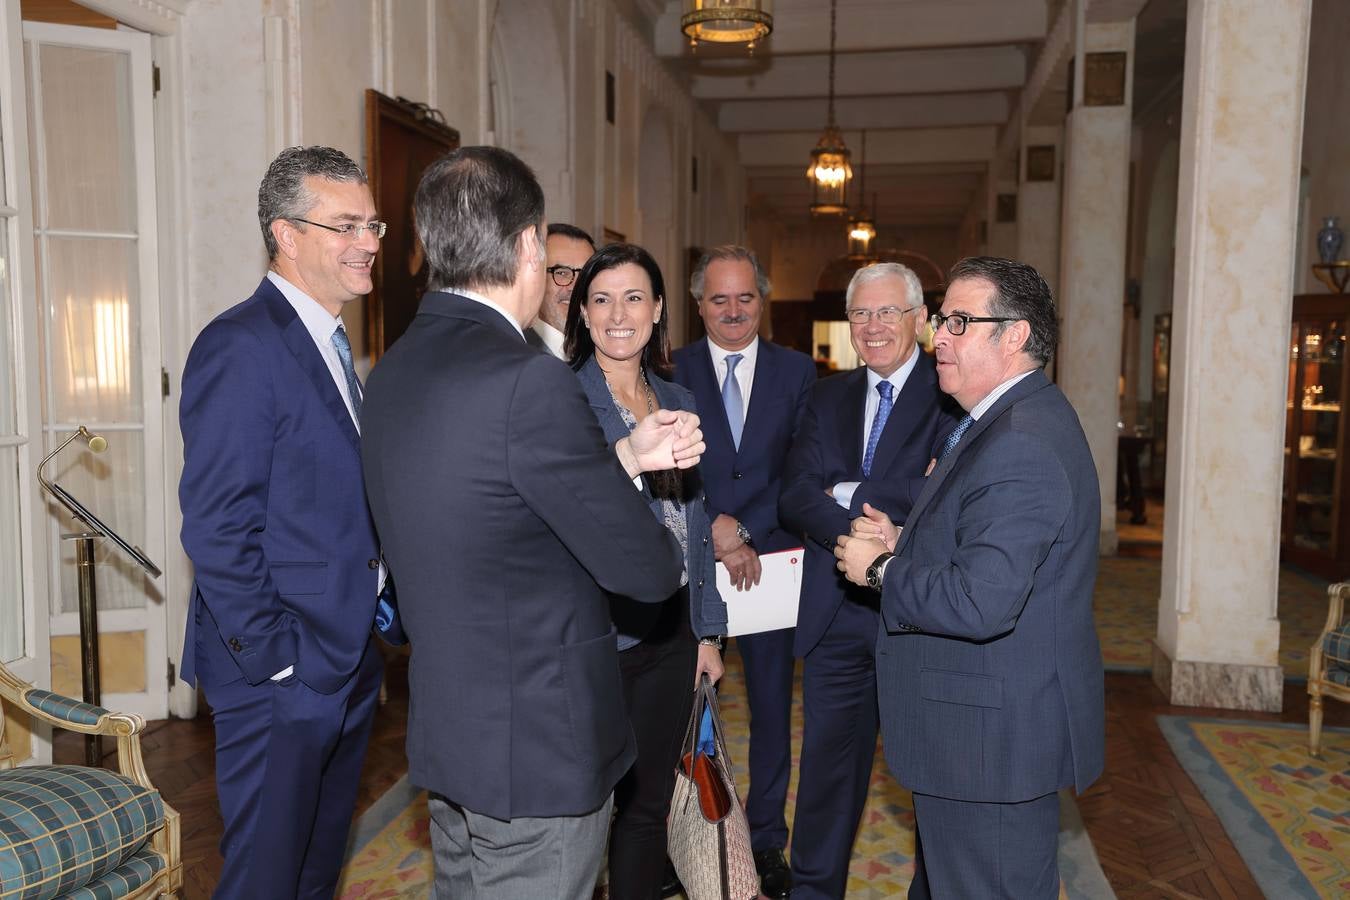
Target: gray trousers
{"points": [[482, 858]]}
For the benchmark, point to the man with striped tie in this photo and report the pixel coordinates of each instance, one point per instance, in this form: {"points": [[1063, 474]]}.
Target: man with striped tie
{"points": [[867, 437]]}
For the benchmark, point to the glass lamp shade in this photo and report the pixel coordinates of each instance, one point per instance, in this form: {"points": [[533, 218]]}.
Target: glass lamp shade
{"points": [[861, 233], [830, 174], [727, 21]]}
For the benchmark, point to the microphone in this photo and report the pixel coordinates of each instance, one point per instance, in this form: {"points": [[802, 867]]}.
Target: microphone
{"points": [[97, 442]]}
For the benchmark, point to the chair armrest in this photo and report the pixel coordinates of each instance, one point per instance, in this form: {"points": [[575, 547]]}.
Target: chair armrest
{"points": [[1335, 611]]}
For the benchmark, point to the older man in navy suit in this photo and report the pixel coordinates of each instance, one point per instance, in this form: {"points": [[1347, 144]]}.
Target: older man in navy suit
{"points": [[867, 438], [750, 393], [989, 672], [276, 524]]}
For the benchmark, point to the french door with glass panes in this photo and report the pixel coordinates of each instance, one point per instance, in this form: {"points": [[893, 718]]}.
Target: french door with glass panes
{"points": [[91, 150]]}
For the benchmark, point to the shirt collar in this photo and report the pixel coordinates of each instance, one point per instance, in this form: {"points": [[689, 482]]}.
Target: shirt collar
{"points": [[896, 378], [479, 298], [992, 397], [319, 322], [748, 354], [553, 338]]}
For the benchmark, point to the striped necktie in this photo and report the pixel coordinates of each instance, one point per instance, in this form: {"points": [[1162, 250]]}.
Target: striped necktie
{"points": [[344, 351]]}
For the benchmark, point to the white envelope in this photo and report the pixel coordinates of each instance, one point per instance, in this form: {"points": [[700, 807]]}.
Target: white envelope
{"points": [[769, 605]]}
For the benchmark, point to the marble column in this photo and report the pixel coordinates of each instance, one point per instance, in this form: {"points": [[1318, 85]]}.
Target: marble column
{"points": [[1241, 141], [1003, 216], [1038, 201], [1092, 263]]}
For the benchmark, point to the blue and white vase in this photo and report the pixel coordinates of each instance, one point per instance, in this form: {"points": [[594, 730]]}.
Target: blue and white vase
{"points": [[1329, 240]]}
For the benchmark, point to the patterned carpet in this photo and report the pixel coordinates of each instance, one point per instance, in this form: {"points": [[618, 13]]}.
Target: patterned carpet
{"points": [[1126, 609], [391, 854], [1287, 813]]}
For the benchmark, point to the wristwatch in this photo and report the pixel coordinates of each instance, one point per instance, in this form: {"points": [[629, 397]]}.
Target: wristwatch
{"points": [[743, 533], [875, 569], [712, 640]]}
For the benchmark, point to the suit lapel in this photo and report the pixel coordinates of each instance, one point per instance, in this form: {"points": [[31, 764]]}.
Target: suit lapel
{"points": [[298, 340], [1024, 388], [909, 406], [852, 418], [761, 396], [701, 368]]}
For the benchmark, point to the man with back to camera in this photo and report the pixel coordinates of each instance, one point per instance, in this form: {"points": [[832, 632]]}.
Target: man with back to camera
{"points": [[285, 558], [988, 668], [867, 437], [750, 393], [568, 248], [509, 522]]}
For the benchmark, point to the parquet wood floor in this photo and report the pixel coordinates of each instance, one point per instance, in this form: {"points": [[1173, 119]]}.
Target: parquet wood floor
{"points": [[1154, 833]]}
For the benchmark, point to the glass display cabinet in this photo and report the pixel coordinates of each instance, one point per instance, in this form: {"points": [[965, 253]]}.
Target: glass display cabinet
{"points": [[1314, 524]]}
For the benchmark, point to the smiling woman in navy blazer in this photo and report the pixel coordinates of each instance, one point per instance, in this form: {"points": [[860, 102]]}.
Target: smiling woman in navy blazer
{"points": [[617, 342]]}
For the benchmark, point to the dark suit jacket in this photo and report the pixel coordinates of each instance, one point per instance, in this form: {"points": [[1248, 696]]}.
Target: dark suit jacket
{"points": [[707, 612], [828, 450], [505, 518], [745, 483], [998, 696], [274, 514]]}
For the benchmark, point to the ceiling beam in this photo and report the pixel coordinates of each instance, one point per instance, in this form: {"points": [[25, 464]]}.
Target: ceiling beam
{"points": [[915, 145], [944, 71], [990, 108]]}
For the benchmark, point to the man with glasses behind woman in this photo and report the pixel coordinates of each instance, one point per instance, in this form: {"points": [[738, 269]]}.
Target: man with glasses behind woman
{"points": [[568, 248], [867, 437], [617, 343]]}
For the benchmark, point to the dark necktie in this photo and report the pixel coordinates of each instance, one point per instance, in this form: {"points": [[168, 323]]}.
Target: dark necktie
{"points": [[955, 437], [879, 423], [731, 399], [344, 351]]}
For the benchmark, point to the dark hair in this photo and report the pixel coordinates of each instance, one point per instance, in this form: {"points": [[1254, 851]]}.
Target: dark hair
{"points": [[283, 195], [1019, 293], [579, 346], [571, 231], [470, 207], [728, 252]]}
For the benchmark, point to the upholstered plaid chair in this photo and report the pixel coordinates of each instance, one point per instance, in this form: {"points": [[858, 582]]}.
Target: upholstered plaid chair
{"points": [[1329, 664], [75, 831]]}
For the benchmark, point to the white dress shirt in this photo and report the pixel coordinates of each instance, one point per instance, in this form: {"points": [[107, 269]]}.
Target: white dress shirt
{"points": [[745, 369], [553, 338], [843, 491], [992, 397]]}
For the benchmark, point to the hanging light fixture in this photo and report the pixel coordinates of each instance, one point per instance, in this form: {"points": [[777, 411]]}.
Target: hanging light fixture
{"points": [[727, 21], [829, 171], [862, 228]]}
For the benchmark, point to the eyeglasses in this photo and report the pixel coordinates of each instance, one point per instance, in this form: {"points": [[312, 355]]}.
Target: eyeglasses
{"points": [[350, 229], [957, 322], [887, 315], [562, 275]]}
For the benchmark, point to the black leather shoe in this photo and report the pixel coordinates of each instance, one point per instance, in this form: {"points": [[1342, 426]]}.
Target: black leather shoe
{"points": [[670, 885], [775, 878]]}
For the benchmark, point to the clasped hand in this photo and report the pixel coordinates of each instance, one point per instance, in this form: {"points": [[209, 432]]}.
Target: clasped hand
{"points": [[870, 534], [665, 439]]}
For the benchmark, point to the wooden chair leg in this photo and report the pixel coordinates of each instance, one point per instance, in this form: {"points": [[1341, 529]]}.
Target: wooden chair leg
{"points": [[1315, 725]]}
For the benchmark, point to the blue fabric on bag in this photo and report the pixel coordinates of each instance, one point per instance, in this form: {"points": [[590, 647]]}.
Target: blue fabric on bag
{"points": [[705, 733]]}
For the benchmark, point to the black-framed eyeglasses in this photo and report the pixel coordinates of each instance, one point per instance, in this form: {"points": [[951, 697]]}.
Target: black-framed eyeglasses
{"points": [[351, 230], [886, 315], [562, 275], [957, 322]]}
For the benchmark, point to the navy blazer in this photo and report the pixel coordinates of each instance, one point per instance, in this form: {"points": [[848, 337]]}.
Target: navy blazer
{"points": [[998, 695], [507, 522], [745, 483], [828, 450], [707, 612], [275, 519]]}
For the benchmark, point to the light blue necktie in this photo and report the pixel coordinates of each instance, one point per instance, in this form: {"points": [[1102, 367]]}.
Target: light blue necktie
{"points": [[955, 437], [879, 423], [731, 399], [344, 350]]}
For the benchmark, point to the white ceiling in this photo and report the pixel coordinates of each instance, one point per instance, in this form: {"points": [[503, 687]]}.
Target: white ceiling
{"points": [[933, 82]]}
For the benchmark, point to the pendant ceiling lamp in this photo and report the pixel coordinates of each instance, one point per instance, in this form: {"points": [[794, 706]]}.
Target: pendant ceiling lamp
{"points": [[830, 172], [727, 21], [862, 229]]}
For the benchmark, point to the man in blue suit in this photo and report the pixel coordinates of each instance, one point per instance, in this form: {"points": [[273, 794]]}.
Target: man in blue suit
{"points": [[867, 437], [989, 672], [275, 521], [750, 394]]}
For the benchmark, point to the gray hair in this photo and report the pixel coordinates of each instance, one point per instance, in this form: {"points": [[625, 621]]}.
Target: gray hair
{"points": [[283, 195], [878, 271], [728, 252], [471, 207]]}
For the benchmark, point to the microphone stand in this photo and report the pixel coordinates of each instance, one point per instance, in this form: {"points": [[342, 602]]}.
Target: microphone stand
{"points": [[94, 529]]}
